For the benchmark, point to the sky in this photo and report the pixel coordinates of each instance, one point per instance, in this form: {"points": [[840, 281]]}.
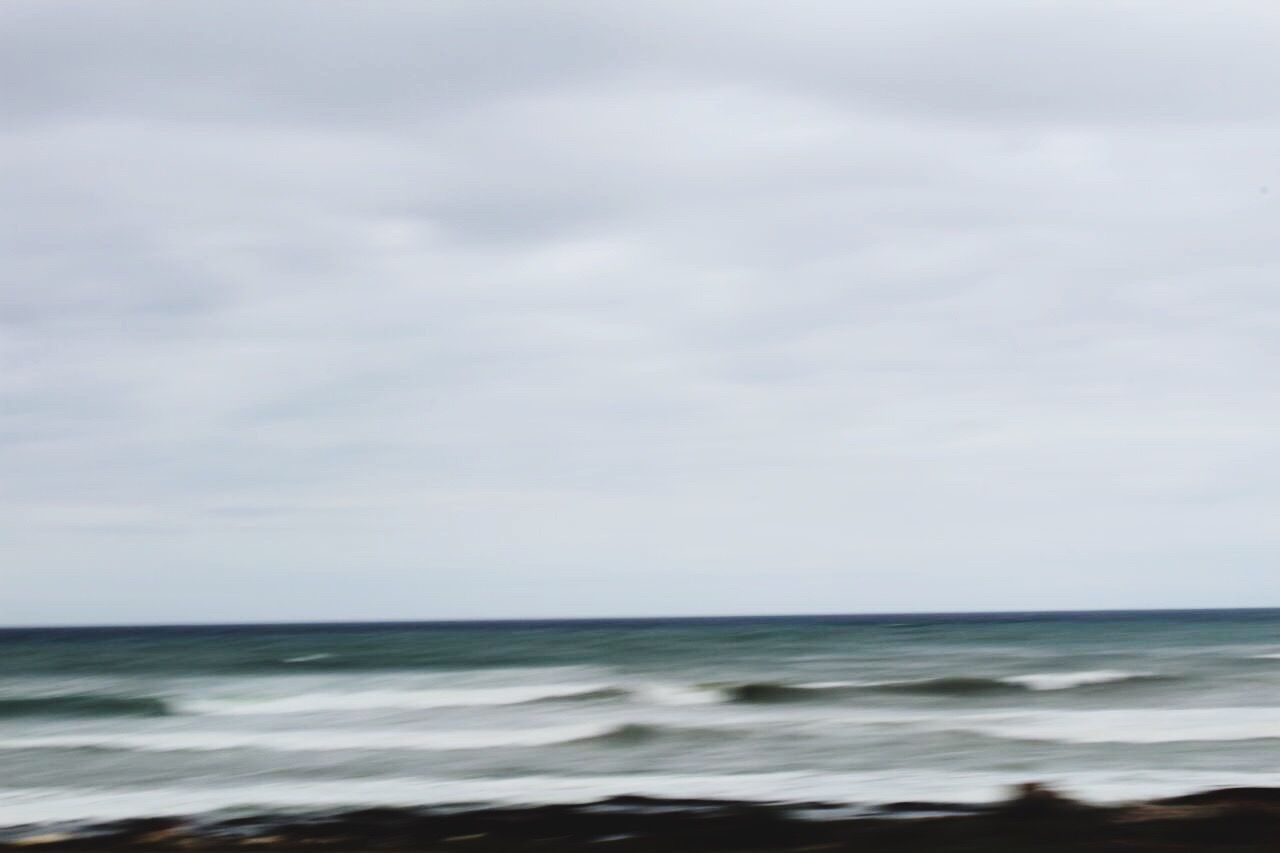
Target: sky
{"points": [[435, 310]]}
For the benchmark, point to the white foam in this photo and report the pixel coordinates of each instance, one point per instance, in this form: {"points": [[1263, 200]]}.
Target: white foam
{"points": [[23, 805], [1124, 725], [1268, 656], [1068, 680], [680, 694], [365, 700], [319, 740]]}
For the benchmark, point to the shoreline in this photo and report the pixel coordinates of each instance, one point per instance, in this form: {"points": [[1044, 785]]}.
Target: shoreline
{"points": [[1033, 818]]}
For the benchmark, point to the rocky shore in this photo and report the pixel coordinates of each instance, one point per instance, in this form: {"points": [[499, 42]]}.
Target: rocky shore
{"points": [[1033, 820]]}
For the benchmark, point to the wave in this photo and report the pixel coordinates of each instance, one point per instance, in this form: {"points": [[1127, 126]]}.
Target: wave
{"points": [[768, 692], [72, 803], [340, 740], [948, 686], [407, 700], [1123, 725], [758, 692], [82, 705], [76, 804], [322, 740], [1089, 678], [1267, 656], [765, 692]]}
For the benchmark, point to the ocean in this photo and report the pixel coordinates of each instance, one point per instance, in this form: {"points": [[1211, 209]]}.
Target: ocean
{"points": [[116, 722]]}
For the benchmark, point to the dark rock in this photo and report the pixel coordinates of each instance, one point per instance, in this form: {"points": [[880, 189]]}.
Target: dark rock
{"points": [[1221, 796], [1035, 819]]}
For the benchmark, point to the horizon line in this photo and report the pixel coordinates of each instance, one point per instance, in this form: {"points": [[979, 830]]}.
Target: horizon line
{"points": [[623, 620]]}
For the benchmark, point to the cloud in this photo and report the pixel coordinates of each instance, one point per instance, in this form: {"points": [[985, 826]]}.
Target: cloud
{"points": [[429, 310]]}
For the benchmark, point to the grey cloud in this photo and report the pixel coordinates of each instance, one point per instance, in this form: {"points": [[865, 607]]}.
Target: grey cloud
{"points": [[1085, 61], [449, 309]]}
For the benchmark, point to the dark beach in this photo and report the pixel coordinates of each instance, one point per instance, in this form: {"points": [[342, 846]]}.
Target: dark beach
{"points": [[1032, 819]]}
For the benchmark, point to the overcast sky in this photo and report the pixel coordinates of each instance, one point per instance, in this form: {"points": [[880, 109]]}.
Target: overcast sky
{"points": [[361, 310]]}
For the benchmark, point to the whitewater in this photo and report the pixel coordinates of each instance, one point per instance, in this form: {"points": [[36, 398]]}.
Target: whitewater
{"points": [[105, 723]]}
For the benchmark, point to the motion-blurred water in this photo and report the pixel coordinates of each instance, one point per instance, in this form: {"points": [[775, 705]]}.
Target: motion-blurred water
{"points": [[115, 722]]}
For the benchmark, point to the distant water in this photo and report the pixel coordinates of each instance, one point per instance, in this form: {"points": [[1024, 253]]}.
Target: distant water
{"points": [[130, 721]]}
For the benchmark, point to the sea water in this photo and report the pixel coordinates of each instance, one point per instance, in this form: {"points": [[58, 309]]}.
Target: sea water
{"points": [[113, 722]]}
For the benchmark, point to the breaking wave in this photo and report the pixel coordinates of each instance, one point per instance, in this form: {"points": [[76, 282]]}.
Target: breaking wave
{"points": [[1127, 726], [758, 692], [1089, 678], [772, 692], [74, 803], [406, 700], [331, 740]]}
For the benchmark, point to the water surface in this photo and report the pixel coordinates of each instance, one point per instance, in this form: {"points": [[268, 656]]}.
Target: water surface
{"points": [[127, 721]]}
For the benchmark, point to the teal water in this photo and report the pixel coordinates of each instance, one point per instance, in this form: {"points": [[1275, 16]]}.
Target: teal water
{"points": [[129, 721]]}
